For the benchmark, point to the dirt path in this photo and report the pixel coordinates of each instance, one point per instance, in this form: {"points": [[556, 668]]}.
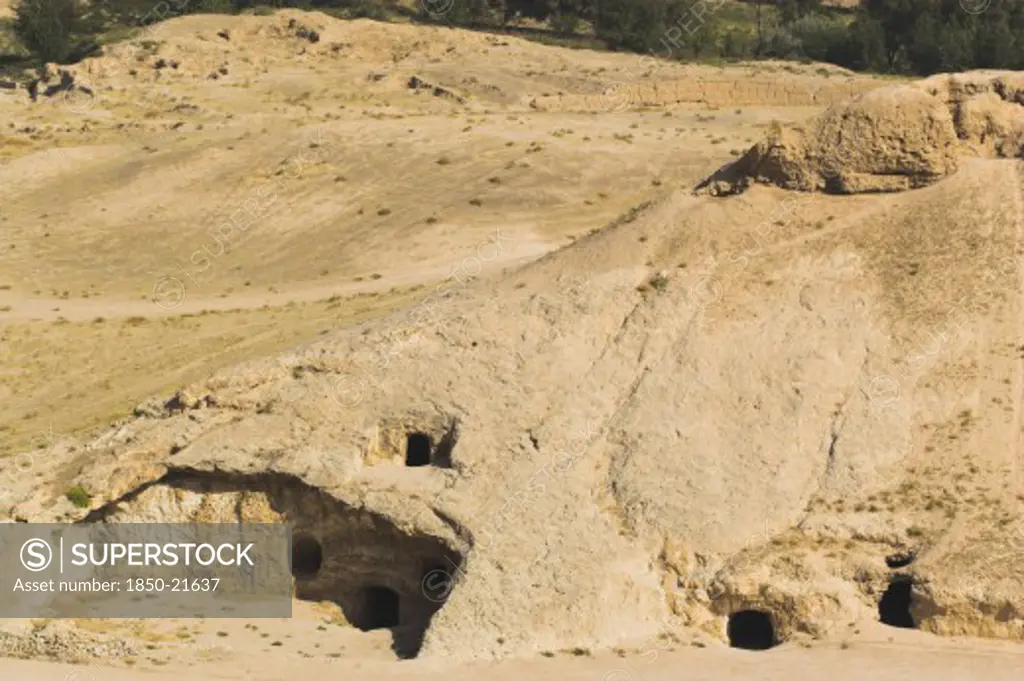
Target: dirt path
{"points": [[178, 295], [914, 655]]}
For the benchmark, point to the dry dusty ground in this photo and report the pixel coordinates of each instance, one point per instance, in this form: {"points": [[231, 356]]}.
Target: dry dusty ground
{"points": [[122, 275], [885, 656], [118, 209]]}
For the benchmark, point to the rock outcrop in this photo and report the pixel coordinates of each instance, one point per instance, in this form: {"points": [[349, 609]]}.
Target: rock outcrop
{"points": [[987, 110], [624, 439], [890, 139]]}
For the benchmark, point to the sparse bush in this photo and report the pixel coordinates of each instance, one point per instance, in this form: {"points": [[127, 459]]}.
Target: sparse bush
{"points": [[213, 6], [780, 43], [823, 38], [78, 496], [637, 25], [565, 23], [659, 282], [46, 27], [466, 12], [364, 9], [738, 44], [793, 10]]}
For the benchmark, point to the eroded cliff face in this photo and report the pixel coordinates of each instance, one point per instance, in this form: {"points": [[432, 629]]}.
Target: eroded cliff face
{"points": [[888, 139], [716, 417], [379, 574]]}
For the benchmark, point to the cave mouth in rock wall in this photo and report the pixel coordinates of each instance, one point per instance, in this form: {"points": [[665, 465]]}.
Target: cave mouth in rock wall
{"points": [[751, 630], [307, 556], [417, 449], [894, 605], [353, 557], [381, 608]]}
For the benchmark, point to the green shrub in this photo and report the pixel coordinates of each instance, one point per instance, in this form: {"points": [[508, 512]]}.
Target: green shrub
{"points": [[782, 44], [359, 9], [822, 38], [791, 10], [464, 12], [738, 44], [637, 25], [867, 46], [45, 27], [565, 24], [78, 496], [212, 6]]}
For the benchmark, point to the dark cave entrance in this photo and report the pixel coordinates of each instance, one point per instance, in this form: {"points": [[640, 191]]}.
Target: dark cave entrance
{"points": [[438, 582], [894, 606], [751, 630], [380, 610], [307, 556], [353, 557], [417, 449]]}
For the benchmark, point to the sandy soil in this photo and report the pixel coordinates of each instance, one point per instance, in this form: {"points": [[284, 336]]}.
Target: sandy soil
{"points": [[298, 179], [139, 251], [872, 654]]}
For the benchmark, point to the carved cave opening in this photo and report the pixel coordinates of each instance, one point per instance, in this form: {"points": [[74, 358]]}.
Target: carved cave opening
{"points": [[751, 630], [379, 575], [894, 605]]}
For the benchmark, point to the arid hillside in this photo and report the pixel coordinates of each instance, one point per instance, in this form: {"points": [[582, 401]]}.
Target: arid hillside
{"points": [[629, 354], [224, 164]]}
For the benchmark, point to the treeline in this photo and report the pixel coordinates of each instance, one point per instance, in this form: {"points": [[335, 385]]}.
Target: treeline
{"points": [[893, 36], [896, 36]]}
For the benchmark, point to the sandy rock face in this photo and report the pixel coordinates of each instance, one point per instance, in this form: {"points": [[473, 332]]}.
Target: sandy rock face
{"points": [[591, 452], [987, 109], [703, 410], [884, 140], [890, 139]]}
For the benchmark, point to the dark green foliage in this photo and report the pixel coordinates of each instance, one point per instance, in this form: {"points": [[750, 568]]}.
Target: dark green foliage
{"points": [[780, 43], [79, 496], [898, 36], [1001, 46], [791, 10], [738, 44], [671, 29], [463, 12], [565, 23], [47, 28], [356, 9], [822, 37], [636, 25], [918, 37], [929, 36], [213, 6], [867, 48]]}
